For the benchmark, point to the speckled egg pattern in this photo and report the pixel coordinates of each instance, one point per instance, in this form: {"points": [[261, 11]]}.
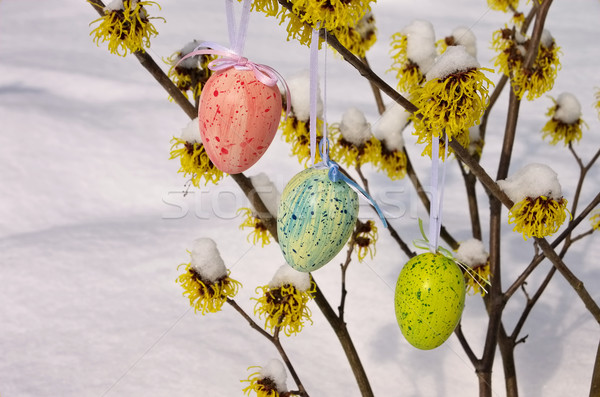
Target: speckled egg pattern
{"points": [[238, 118], [429, 299], [315, 219]]}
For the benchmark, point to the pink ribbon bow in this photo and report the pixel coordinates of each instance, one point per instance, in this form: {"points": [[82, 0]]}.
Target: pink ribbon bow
{"points": [[230, 59]]}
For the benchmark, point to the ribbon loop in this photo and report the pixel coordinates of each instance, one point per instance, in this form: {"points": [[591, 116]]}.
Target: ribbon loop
{"points": [[336, 175], [230, 59]]}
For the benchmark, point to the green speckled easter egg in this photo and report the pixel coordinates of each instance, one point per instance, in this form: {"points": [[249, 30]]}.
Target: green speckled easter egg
{"points": [[315, 219], [429, 299]]}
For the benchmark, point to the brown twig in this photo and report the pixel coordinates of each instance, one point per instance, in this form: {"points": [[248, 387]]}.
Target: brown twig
{"points": [[536, 36], [376, 91], [470, 182], [340, 329], [152, 67], [274, 339], [595, 387], [344, 268], [562, 237]]}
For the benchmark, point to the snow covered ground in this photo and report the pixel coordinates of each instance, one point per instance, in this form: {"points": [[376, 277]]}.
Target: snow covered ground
{"points": [[93, 223]]}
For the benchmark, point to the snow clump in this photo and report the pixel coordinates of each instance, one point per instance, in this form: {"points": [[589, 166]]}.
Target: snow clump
{"points": [[354, 127], [389, 127], [474, 139], [546, 40], [191, 62], [420, 44], [533, 180], [275, 371], [207, 261], [191, 132], [568, 108], [267, 191], [455, 59], [472, 253], [288, 275], [115, 5], [465, 37], [299, 85]]}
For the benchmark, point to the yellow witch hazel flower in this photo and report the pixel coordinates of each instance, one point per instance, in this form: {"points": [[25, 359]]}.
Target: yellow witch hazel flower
{"points": [[510, 44], [331, 14], [452, 99], [597, 105], [359, 38], [566, 123], [533, 81], [539, 208], [296, 128], [595, 220], [126, 26], [471, 253], [192, 156], [270, 196], [503, 5], [365, 237], [517, 19], [352, 142], [283, 303], [306, 14], [388, 130], [206, 280], [192, 73], [268, 381], [413, 53]]}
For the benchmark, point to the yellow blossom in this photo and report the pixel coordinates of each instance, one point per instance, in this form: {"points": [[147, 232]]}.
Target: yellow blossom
{"points": [[259, 232], [424, 137], [350, 154], [264, 386], [408, 73], [192, 73], [297, 133], [538, 217], [535, 80], [359, 38], [450, 105], [503, 5], [206, 296], [476, 278], [540, 78], [284, 307], [511, 52], [595, 219], [597, 105], [393, 162], [195, 162], [126, 28], [331, 14], [557, 130], [306, 14], [517, 19], [365, 237]]}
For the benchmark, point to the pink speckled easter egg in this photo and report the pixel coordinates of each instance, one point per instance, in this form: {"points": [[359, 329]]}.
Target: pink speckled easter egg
{"points": [[238, 118]]}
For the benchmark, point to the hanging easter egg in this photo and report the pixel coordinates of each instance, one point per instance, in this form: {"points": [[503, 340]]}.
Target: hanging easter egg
{"points": [[315, 219], [238, 117], [429, 299]]}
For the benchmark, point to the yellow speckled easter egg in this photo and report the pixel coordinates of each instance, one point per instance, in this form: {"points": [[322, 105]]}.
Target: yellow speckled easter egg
{"points": [[429, 299], [315, 219]]}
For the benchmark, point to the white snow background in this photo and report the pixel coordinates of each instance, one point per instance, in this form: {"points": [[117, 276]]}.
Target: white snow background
{"points": [[93, 223]]}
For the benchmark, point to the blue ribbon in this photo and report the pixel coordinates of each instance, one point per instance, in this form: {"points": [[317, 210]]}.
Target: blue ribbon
{"points": [[336, 175]]}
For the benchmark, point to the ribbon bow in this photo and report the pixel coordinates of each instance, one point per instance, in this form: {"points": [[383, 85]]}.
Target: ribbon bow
{"points": [[336, 175], [231, 59]]}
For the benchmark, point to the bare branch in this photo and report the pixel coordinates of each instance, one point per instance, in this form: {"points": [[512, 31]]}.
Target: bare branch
{"points": [[274, 340]]}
